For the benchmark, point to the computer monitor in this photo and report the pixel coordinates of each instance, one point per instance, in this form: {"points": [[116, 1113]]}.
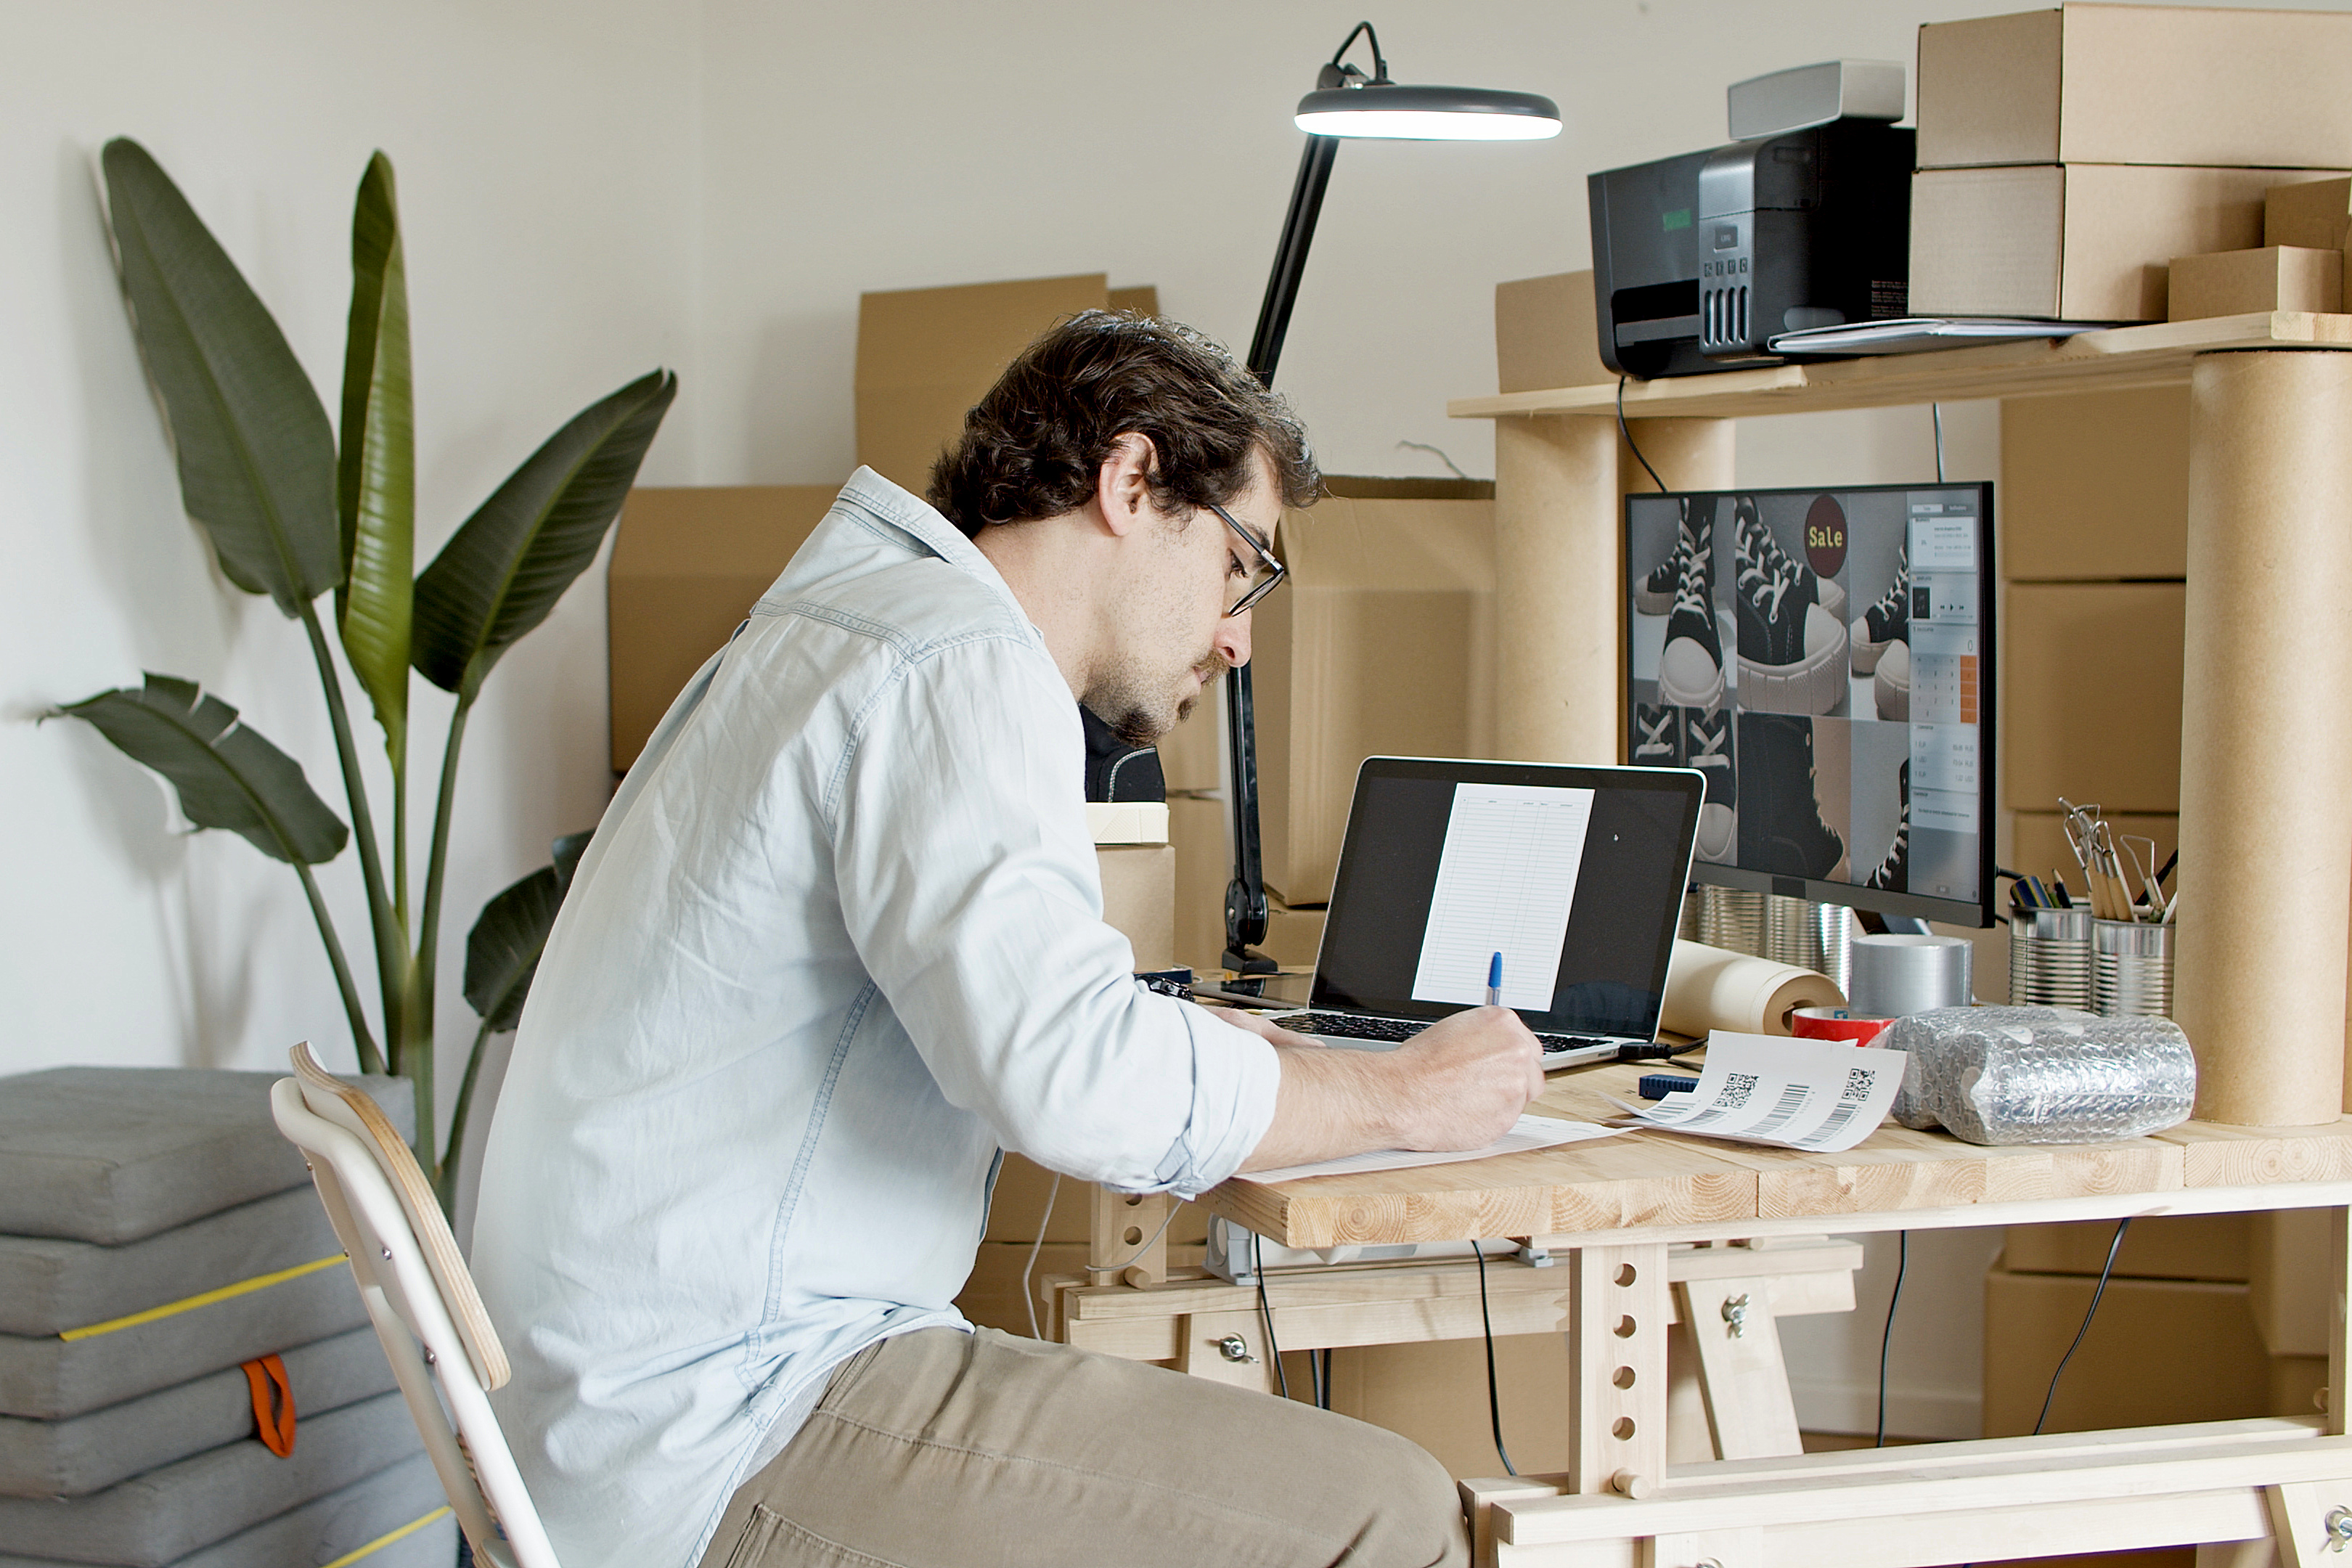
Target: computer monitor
{"points": [[1825, 658]]}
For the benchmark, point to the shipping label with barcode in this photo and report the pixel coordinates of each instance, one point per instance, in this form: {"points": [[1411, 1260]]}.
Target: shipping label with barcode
{"points": [[1824, 1096]]}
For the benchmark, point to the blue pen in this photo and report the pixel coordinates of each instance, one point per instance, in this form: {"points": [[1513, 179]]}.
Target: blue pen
{"points": [[1494, 981]]}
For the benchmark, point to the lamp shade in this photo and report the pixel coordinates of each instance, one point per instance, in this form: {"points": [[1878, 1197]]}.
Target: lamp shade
{"points": [[1428, 113]]}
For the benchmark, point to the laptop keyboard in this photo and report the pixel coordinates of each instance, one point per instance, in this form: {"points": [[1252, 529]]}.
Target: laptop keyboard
{"points": [[1352, 1026]]}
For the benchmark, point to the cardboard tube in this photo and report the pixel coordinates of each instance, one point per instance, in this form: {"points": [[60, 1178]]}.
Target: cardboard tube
{"points": [[1710, 989], [1560, 580], [2266, 820]]}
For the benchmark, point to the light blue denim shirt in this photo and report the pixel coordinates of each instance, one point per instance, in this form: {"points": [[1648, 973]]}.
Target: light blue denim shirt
{"points": [[838, 938]]}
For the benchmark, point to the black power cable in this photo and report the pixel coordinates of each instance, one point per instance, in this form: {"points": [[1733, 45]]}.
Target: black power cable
{"points": [[2112, 1248], [1628, 434], [1886, 1335], [1494, 1397], [1266, 1315]]}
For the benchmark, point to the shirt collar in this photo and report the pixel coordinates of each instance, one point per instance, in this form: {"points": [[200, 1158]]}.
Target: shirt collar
{"points": [[901, 509]]}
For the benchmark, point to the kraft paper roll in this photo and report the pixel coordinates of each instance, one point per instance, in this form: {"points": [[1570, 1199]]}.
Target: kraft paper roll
{"points": [[2265, 829], [1710, 989]]}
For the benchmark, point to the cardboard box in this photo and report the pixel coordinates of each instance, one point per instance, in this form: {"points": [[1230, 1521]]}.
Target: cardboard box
{"points": [[2094, 486], [2037, 844], [2313, 213], [687, 565], [1018, 1207], [1381, 643], [1193, 754], [1435, 1395], [2135, 84], [2288, 1281], [2216, 1246], [2086, 242], [926, 355], [1196, 826], [1138, 888], [2275, 278], [1548, 333], [2160, 1352], [1291, 935], [2091, 694], [992, 1296]]}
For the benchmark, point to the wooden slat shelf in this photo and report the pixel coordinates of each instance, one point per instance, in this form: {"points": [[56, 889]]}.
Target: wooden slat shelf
{"points": [[2151, 356], [1674, 1187]]}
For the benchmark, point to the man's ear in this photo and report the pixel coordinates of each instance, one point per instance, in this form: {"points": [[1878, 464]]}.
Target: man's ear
{"points": [[1122, 491]]}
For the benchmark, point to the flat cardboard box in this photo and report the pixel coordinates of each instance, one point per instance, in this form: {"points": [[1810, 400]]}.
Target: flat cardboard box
{"points": [[2094, 486], [1380, 644], [2135, 84], [1548, 333], [687, 565], [2163, 1246], [2288, 1281], [992, 1296], [926, 355], [1138, 888], [2091, 694], [2083, 242], [2037, 844], [1018, 1207], [1435, 1392], [2159, 1351], [2313, 213], [2240, 282]]}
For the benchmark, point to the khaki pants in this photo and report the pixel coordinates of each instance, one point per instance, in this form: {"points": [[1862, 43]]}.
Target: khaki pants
{"points": [[939, 1449]]}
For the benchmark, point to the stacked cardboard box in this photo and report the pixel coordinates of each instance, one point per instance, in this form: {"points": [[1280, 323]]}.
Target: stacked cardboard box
{"points": [[2066, 156], [186, 1373]]}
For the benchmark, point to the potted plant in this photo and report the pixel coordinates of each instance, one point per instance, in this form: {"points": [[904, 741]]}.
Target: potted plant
{"points": [[300, 511]]}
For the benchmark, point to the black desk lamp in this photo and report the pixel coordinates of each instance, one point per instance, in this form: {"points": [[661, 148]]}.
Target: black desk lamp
{"points": [[1344, 102]]}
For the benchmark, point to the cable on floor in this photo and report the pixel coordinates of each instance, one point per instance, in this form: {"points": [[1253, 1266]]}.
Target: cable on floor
{"points": [[1494, 1397], [1628, 434], [2112, 1248], [1886, 1335]]}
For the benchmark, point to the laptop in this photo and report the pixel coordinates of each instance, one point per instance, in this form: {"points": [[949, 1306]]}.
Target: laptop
{"points": [[1575, 876]]}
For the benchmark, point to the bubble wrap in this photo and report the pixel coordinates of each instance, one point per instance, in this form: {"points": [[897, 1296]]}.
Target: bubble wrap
{"points": [[2042, 1074]]}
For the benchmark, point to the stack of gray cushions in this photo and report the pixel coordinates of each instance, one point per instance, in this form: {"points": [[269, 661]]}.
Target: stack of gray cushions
{"points": [[123, 1189]]}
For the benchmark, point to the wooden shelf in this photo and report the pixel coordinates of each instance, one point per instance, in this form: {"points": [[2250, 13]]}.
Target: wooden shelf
{"points": [[2151, 356]]}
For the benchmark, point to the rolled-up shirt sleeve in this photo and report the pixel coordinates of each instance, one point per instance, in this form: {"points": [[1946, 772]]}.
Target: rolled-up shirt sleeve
{"points": [[969, 888]]}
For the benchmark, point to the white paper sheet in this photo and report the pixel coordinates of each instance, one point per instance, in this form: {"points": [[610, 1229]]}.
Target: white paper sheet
{"points": [[1506, 879], [1528, 1132], [1823, 1096]]}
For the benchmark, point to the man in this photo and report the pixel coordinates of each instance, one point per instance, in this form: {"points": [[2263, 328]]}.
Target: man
{"points": [[837, 940]]}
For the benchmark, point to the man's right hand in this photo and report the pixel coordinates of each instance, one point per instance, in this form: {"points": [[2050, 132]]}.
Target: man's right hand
{"points": [[1468, 1077], [1458, 1084]]}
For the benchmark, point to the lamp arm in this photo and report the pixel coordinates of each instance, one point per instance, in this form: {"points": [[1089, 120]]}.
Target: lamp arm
{"points": [[1246, 913]]}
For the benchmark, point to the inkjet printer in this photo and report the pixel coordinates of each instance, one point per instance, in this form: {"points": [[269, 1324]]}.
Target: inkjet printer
{"points": [[1699, 260]]}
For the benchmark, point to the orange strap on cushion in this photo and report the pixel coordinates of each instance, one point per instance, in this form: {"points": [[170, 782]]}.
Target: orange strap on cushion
{"points": [[273, 1403]]}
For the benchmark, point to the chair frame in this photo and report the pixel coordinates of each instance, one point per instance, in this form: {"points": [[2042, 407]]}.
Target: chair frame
{"points": [[444, 1352]]}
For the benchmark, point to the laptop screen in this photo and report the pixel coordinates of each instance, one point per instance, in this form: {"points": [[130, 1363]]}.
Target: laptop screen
{"points": [[1575, 875]]}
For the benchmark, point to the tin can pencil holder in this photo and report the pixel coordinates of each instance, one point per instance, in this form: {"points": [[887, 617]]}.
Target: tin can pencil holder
{"points": [[2050, 959], [2131, 969]]}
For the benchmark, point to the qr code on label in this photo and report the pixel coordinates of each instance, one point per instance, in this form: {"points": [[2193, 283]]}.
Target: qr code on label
{"points": [[1736, 1088], [1857, 1083]]}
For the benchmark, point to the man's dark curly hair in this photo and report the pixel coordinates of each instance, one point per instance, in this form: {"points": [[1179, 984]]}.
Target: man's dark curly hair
{"points": [[1035, 444]]}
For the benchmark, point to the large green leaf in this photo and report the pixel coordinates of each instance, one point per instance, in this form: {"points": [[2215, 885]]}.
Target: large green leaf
{"points": [[502, 951], [256, 458], [226, 776], [376, 480], [503, 569]]}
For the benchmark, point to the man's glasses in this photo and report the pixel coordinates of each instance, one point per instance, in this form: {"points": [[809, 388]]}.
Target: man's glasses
{"points": [[1264, 577]]}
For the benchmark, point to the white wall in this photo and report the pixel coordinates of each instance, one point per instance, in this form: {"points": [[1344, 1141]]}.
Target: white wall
{"points": [[546, 153]]}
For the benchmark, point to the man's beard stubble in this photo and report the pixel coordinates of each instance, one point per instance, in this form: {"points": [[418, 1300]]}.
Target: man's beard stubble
{"points": [[1133, 717]]}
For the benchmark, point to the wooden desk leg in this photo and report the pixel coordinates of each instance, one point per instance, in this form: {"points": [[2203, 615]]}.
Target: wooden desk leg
{"points": [[1122, 1223], [1617, 1351], [2339, 1319], [1560, 582], [1207, 1339], [2265, 830], [1742, 1371], [1704, 1549]]}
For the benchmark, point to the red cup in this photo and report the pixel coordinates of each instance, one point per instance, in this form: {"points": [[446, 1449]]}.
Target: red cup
{"points": [[1834, 1024]]}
